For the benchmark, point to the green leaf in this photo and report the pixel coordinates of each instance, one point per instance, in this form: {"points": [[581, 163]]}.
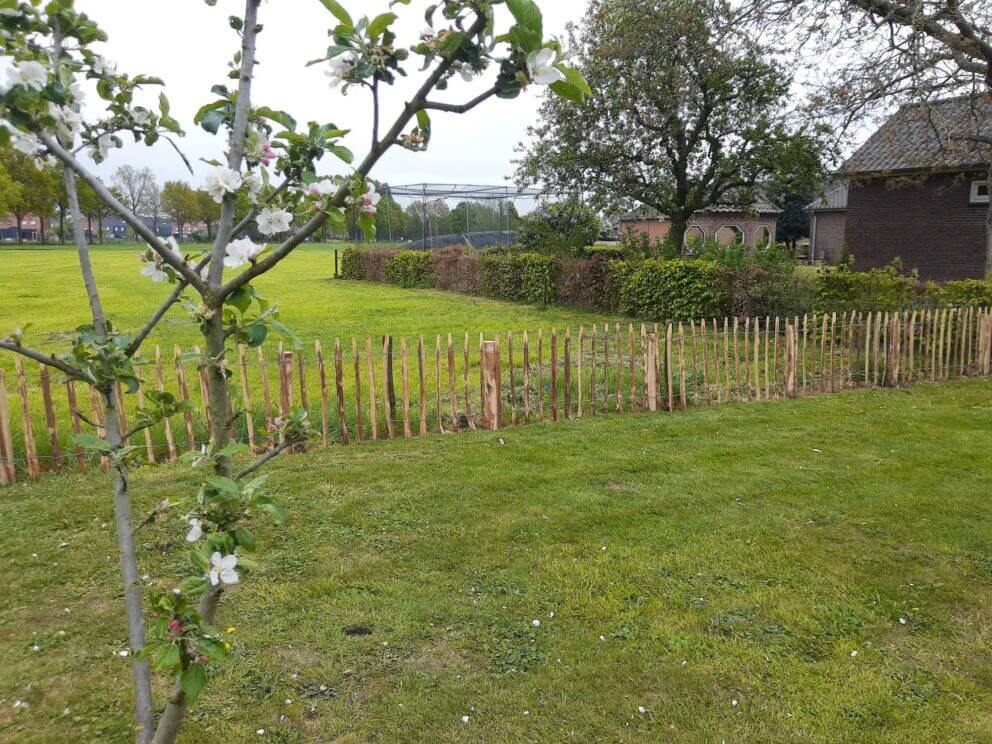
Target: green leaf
{"points": [[199, 559], [275, 510], [245, 539], [166, 656], [567, 90], [576, 78], [380, 23], [240, 298], [280, 117], [342, 152], [338, 11], [529, 41], [88, 441], [212, 648], [225, 485], [527, 15], [193, 680]]}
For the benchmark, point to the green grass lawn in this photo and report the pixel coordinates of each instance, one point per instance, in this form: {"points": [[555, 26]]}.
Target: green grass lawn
{"points": [[825, 563], [42, 287]]}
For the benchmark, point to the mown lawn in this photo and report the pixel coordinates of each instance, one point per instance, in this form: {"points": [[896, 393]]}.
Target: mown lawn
{"points": [[796, 571], [41, 287]]}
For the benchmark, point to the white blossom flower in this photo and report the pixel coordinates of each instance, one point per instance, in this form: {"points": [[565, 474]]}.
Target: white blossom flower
{"points": [[240, 252], [154, 272], [141, 116], [368, 202], [103, 66], [67, 122], [273, 221], [340, 68], [222, 569], [427, 33], [24, 142], [222, 181], [540, 65], [77, 92], [322, 188], [30, 74], [253, 182], [102, 147], [195, 530]]}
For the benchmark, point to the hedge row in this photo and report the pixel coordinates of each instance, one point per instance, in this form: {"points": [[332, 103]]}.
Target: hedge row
{"points": [[657, 288]]}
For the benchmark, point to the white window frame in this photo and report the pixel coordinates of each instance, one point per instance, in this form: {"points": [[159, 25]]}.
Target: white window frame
{"points": [[977, 198]]}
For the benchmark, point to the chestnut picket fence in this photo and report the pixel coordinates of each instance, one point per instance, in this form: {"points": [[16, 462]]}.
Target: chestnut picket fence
{"points": [[361, 390]]}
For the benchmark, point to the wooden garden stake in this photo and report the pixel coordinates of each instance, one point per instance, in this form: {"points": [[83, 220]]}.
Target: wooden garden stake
{"points": [[53, 433], [468, 397], [554, 374], [184, 396], [76, 421], [405, 371], [389, 392], [27, 429], [422, 375], [359, 423], [452, 395], [9, 472], [373, 403], [325, 413], [339, 389], [567, 372], [526, 343]]}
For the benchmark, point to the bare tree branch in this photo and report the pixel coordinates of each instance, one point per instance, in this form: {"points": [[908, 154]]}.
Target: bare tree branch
{"points": [[49, 361]]}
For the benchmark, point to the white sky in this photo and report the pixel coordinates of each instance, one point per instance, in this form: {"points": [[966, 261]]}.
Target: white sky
{"points": [[189, 44]]}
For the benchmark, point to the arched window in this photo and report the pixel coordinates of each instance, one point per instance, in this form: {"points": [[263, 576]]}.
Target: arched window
{"points": [[694, 237], [763, 236], [729, 234]]}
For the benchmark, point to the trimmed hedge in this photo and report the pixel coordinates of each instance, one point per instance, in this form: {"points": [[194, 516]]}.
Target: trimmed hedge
{"points": [[410, 269], [518, 277], [659, 289]]}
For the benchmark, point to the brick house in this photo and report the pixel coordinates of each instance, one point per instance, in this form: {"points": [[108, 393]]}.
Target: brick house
{"points": [[723, 224], [30, 228], [916, 193], [829, 224]]}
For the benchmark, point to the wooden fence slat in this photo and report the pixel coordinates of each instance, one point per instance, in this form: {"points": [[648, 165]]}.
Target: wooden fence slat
{"points": [[513, 380], [452, 395], [466, 368], [149, 444], [694, 376], [768, 382], [491, 394], [554, 374], [580, 395], [567, 372], [437, 383], [246, 398], [422, 378], [635, 404], [373, 403], [339, 389], [756, 327], [263, 371], [184, 396], [359, 414], [325, 412], [619, 369], [8, 470], [669, 370], [50, 421], [204, 392], [27, 428], [170, 440], [388, 390], [74, 419], [405, 373], [704, 342], [592, 360], [526, 353], [540, 374]]}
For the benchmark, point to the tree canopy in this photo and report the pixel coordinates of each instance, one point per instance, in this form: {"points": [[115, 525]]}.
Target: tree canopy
{"points": [[686, 113]]}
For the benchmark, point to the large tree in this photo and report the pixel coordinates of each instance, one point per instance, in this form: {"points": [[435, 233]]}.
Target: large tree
{"points": [[37, 190], [888, 52], [180, 202], [686, 112], [208, 212]]}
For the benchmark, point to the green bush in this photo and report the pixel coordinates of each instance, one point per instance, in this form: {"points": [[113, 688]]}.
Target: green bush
{"points": [[678, 289], [841, 288], [410, 269], [353, 263], [963, 292], [519, 277]]}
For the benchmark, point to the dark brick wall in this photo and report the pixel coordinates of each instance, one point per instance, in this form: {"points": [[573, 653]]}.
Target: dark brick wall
{"points": [[931, 226], [829, 236]]}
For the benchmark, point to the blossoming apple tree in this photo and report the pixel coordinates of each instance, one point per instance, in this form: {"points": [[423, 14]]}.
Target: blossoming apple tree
{"points": [[50, 53]]}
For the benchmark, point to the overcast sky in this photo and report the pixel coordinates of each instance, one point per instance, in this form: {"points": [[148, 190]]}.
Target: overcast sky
{"points": [[189, 45]]}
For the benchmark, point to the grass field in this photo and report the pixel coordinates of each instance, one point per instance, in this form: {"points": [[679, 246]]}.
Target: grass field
{"points": [[42, 287], [796, 571], [41, 290]]}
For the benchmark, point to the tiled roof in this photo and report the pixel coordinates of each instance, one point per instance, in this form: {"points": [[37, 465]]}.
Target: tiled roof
{"points": [[834, 197], [921, 137], [761, 205]]}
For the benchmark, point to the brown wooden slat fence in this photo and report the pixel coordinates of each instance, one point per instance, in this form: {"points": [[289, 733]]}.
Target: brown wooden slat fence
{"points": [[387, 387]]}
